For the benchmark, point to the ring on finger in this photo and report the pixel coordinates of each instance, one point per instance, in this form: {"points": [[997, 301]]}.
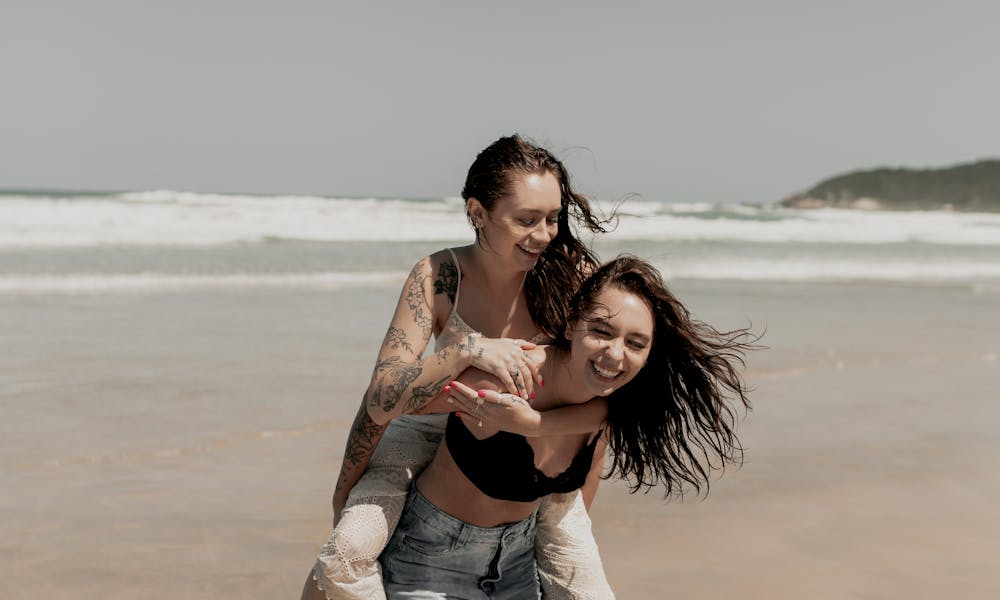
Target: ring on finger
{"points": [[480, 423], [479, 401]]}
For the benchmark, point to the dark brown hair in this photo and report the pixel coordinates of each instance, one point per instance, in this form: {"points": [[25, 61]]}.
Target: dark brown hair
{"points": [[566, 260], [674, 422]]}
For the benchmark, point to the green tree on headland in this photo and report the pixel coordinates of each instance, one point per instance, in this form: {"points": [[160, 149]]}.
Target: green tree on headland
{"points": [[967, 187]]}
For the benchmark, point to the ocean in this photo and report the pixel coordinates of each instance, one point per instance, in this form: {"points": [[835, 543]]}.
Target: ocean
{"points": [[78, 242], [178, 373]]}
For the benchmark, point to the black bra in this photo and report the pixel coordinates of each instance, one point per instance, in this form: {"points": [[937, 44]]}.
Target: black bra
{"points": [[502, 466]]}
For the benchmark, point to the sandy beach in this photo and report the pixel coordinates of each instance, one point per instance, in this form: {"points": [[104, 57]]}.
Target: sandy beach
{"points": [[185, 445]]}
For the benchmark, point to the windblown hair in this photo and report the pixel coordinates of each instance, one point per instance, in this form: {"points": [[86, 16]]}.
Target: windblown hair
{"points": [[674, 422], [566, 261]]}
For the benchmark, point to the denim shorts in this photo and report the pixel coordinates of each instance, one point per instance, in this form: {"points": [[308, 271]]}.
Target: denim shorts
{"points": [[433, 555]]}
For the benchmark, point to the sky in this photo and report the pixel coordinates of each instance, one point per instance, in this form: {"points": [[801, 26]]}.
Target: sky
{"points": [[676, 101]]}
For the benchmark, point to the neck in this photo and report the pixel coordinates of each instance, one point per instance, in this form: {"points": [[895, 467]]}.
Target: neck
{"points": [[560, 381], [500, 280]]}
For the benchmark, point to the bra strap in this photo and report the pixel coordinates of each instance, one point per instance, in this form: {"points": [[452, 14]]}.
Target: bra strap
{"points": [[458, 284]]}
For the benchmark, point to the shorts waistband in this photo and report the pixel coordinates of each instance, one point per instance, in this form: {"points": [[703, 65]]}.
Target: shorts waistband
{"points": [[420, 506]]}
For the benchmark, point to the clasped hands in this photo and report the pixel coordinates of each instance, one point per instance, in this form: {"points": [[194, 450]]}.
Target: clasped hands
{"points": [[493, 410]]}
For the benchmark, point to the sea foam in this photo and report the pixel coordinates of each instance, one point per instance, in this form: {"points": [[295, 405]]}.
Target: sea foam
{"points": [[166, 218]]}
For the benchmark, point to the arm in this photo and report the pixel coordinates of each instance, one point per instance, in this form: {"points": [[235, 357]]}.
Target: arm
{"points": [[403, 383], [399, 372], [589, 489], [361, 442], [406, 339], [511, 413], [573, 419]]}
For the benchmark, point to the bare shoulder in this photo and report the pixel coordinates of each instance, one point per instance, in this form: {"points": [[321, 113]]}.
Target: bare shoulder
{"points": [[444, 274]]}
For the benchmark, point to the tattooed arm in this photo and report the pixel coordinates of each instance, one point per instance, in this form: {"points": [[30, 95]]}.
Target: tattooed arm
{"points": [[403, 383], [361, 442]]}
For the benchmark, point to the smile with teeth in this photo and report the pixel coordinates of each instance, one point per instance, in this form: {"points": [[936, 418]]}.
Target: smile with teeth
{"points": [[605, 373], [531, 251]]}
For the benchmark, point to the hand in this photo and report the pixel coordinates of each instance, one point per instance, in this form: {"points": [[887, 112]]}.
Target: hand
{"points": [[508, 360], [495, 410]]}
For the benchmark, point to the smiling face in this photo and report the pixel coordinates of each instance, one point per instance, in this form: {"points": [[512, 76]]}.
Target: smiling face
{"points": [[611, 342], [521, 224]]}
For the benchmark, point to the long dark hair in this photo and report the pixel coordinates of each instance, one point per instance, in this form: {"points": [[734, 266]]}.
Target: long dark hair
{"points": [[566, 261], [674, 422]]}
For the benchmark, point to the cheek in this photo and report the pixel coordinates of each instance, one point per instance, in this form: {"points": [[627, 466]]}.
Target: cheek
{"points": [[639, 359], [590, 344]]}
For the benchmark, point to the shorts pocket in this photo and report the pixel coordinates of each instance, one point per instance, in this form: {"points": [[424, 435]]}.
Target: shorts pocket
{"points": [[417, 535]]}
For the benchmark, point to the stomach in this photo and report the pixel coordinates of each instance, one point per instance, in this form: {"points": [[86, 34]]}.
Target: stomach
{"points": [[445, 486]]}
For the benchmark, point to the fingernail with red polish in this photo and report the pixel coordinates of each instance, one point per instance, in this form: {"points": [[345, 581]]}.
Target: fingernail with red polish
{"points": [[542, 383], [531, 396], [482, 393], [447, 388]]}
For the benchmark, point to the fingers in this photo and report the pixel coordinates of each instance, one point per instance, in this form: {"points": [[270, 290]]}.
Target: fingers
{"points": [[470, 421], [526, 345], [465, 398], [521, 376], [534, 373], [521, 373]]}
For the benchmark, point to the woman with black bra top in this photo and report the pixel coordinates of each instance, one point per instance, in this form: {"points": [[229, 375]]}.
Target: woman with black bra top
{"points": [[671, 385], [480, 305]]}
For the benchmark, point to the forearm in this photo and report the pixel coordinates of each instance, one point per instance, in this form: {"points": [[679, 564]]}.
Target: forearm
{"points": [[399, 387], [568, 420], [361, 442]]}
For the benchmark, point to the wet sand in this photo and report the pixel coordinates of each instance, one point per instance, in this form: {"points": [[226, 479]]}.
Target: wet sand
{"points": [[185, 445]]}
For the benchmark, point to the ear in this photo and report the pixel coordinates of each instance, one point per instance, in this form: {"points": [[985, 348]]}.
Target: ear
{"points": [[476, 211], [568, 334]]}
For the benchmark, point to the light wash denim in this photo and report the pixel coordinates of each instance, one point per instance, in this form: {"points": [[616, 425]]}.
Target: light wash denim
{"points": [[434, 556]]}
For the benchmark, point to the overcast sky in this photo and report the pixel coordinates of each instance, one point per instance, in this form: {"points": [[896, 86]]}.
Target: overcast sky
{"points": [[680, 101]]}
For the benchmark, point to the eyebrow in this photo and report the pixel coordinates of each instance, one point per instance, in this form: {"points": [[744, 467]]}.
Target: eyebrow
{"points": [[607, 323], [540, 212]]}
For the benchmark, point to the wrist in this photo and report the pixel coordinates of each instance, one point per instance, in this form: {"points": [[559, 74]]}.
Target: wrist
{"points": [[534, 425], [468, 351]]}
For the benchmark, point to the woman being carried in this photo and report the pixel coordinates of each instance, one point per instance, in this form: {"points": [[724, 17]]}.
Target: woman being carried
{"points": [[480, 302], [672, 387]]}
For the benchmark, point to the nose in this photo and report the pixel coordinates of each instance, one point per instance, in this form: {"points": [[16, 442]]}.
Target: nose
{"points": [[543, 234], [615, 349]]}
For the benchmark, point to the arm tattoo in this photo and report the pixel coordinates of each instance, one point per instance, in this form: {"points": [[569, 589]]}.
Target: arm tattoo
{"points": [[395, 338], [425, 393], [392, 377], [417, 301], [447, 281], [361, 441], [442, 356]]}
